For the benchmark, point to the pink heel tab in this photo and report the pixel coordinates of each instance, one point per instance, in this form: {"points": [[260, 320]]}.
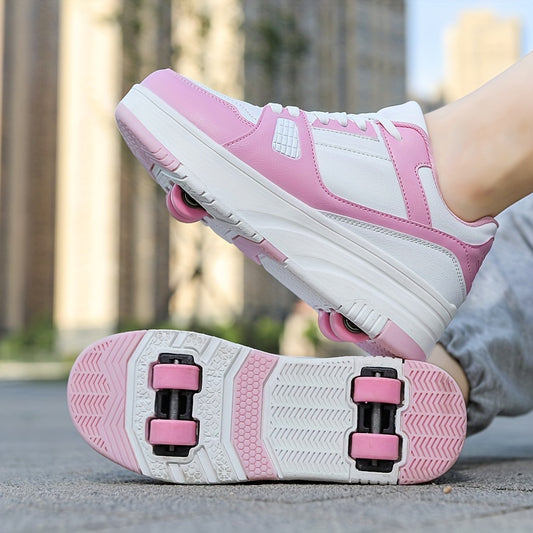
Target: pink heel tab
{"points": [[421, 128]]}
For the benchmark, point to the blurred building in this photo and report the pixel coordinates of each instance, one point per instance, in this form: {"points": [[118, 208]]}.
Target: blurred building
{"points": [[477, 48], [335, 56], [85, 241], [29, 56], [112, 234]]}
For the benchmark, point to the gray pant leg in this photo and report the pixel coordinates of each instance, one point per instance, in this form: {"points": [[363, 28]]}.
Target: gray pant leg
{"points": [[492, 333]]}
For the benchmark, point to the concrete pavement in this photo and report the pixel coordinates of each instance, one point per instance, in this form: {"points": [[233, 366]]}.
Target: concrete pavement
{"points": [[50, 480]]}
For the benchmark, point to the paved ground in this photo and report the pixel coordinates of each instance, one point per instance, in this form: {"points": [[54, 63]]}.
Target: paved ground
{"points": [[50, 480]]}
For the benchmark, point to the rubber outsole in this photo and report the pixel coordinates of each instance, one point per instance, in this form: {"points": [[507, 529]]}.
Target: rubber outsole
{"points": [[260, 416]]}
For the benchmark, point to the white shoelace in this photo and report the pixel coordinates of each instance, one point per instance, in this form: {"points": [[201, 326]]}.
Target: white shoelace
{"points": [[360, 120]]}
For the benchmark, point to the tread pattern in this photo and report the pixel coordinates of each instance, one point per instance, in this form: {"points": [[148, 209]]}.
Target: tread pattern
{"points": [[435, 423], [246, 433], [217, 361], [260, 416], [97, 396], [310, 418], [211, 464]]}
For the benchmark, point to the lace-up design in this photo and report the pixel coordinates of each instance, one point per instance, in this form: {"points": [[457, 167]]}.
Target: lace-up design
{"points": [[344, 209], [361, 120]]}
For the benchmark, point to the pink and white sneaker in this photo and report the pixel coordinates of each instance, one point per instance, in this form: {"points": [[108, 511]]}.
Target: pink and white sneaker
{"points": [[189, 408], [345, 210]]}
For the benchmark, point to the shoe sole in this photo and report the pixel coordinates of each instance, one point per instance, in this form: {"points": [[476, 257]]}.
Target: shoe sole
{"points": [[324, 264], [258, 416]]}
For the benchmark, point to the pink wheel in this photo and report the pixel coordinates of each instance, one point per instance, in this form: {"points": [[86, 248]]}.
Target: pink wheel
{"points": [[325, 327], [182, 207], [375, 446], [339, 326], [181, 377], [378, 390], [173, 432]]}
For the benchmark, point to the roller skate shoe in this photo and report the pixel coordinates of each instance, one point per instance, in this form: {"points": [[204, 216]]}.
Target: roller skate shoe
{"points": [[345, 210], [189, 408]]}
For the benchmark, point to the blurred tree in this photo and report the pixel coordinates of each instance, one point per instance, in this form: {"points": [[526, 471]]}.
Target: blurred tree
{"points": [[144, 232]]}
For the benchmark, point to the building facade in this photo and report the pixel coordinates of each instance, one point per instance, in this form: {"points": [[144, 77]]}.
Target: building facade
{"points": [[30, 51], [478, 47], [85, 241], [333, 56]]}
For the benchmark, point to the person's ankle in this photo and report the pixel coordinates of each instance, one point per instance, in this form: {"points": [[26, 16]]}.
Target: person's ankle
{"points": [[458, 189], [441, 358]]}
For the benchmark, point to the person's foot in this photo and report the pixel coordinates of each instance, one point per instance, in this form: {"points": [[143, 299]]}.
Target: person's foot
{"points": [[345, 210], [189, 408]]}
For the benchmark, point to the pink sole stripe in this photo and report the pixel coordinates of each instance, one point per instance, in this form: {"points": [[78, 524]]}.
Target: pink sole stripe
{"points": [[247, 415], [435, 423], [145, 147], [97, 396], [253, 250], [396, 342]]}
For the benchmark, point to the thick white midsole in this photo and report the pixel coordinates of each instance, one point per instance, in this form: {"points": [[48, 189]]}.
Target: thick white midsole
{"points": [[345, 272]]}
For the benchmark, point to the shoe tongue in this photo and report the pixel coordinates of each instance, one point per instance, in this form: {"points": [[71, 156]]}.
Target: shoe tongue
{"points": [[408, 112]]}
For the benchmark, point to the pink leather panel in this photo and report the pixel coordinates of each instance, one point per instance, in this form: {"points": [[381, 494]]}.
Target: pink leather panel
{"points": [[301, 178], [214, 116], [408, 155]]}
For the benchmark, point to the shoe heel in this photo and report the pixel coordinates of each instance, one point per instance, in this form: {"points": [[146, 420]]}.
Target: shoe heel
{"points": [[96, 394]]}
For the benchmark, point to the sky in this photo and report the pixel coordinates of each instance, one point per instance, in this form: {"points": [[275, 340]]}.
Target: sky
{"points": [[426, 23]]}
